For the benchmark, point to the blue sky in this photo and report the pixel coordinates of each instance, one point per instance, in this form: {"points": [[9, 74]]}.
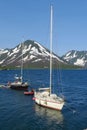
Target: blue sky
{"points": [[29, 19]]}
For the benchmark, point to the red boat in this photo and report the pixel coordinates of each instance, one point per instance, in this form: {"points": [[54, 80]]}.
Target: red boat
{"points": [[29, 92]]}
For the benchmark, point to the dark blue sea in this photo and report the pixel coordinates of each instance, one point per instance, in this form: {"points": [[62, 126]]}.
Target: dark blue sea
{"points": [[19, 112]]}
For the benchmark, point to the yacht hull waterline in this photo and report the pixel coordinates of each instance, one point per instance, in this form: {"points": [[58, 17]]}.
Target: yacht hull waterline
{"points": [[52, 101], [21, 86]]}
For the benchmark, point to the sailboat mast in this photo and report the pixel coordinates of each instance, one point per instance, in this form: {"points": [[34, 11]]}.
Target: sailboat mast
{"points": [[21, 62], [51, 29]]}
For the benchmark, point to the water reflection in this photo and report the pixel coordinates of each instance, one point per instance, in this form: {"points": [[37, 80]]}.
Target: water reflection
{"points": [[49, 114]]}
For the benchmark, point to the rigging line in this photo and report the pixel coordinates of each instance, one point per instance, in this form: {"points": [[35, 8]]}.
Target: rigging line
{"points": [[53, 79], [59, 76], [63, 85], [60, 72], [21, 61], [22, 57]]}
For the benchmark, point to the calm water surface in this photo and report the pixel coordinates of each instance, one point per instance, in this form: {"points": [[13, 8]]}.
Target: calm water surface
{"points": [[19, 112]]}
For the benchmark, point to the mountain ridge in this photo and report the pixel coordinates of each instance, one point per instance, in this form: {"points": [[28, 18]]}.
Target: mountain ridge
{"points": [[34, 55], [75, 57]]}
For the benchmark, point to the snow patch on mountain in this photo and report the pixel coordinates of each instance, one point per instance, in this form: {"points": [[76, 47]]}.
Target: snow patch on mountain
{"points": [[31, 57], [16, 50], [2, 61], [26, 58], [36, 60], [69, 56], [35, 51], [80, 62], [2, 51], [26, 49]]}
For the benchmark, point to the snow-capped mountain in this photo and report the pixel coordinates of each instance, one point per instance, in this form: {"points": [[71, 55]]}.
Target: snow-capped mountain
{"points": [[76, 58], [34, 55]]}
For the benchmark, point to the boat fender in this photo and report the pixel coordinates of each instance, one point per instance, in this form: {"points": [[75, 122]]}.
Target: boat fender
{"points": [[33, 98]]}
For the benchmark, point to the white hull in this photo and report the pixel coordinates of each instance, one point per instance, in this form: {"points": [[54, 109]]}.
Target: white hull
{"points": [[52, 101]]}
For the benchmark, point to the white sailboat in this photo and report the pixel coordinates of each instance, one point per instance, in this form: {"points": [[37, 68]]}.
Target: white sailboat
{"points": [[44, 96], [18, 83]]}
